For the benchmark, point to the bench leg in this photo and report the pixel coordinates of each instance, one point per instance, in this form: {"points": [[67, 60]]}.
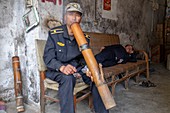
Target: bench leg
{"points": [[113, 88], [126, 83], [137, 78], [127, 80], [147, 69], [113, 84]]}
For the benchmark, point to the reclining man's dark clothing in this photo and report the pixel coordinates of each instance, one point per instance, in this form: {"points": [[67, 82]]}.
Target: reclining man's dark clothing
{"points": [[114, 54]]}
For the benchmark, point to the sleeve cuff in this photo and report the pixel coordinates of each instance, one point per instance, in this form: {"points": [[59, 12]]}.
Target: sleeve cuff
{"points": [[58, 67]]}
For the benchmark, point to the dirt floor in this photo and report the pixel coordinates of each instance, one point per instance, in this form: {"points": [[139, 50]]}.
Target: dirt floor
{"points": [[136, 99]]}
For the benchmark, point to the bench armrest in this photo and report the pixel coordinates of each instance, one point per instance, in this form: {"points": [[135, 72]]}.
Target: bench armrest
{"points": [[145, 55], [146, 58]]}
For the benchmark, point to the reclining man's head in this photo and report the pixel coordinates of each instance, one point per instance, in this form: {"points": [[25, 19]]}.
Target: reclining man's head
{"points": [[129, 48]]}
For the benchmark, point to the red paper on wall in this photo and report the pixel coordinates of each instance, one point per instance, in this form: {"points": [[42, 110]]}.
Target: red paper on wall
{"points": [[107, 5], [54, 1], [59, 2]]}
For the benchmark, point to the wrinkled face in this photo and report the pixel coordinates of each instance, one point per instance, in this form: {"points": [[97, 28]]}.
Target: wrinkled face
{"points": [[129, 49], [71, 17]]}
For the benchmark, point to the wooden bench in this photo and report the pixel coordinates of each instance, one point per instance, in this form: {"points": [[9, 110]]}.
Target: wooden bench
{"points": [[97, 41], [128, 70]]}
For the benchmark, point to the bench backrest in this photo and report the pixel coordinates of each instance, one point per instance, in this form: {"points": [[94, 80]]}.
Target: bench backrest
{"points": [[97, 40]]}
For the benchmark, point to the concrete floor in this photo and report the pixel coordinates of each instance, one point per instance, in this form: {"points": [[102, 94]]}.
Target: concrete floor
{"points": [[136, 99]]}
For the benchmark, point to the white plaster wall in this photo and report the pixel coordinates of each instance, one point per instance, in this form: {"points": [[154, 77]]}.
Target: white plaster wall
{"points": [[11, 29]]}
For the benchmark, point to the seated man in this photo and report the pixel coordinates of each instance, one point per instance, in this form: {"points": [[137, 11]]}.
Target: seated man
{"points": [[64, 61], [116, 54]]}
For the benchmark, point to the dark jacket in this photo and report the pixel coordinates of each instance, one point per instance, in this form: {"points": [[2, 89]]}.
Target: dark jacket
{"points": [[113, 55], [61, 49]]}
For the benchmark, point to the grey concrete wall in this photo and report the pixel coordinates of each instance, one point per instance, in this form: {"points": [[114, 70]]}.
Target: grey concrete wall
{"points": [[135, 24]]}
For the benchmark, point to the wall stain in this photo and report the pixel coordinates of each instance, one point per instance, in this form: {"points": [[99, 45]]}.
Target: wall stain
{"points": [[6, 12], [33, 86], [7, 94]]}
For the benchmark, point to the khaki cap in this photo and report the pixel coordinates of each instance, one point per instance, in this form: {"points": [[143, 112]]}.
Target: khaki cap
{"points": [[73, 7]]}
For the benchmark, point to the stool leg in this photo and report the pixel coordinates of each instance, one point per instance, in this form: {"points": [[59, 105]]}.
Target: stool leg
{"points": [[75, 103], [42, 92], [90, 102], [42, 103]]}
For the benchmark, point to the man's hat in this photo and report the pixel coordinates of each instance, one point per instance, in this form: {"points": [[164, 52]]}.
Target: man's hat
{"points": [[73, 7]]}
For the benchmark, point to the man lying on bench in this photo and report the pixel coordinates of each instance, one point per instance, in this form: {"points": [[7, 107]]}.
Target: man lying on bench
{"points": [[116, 54]]}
